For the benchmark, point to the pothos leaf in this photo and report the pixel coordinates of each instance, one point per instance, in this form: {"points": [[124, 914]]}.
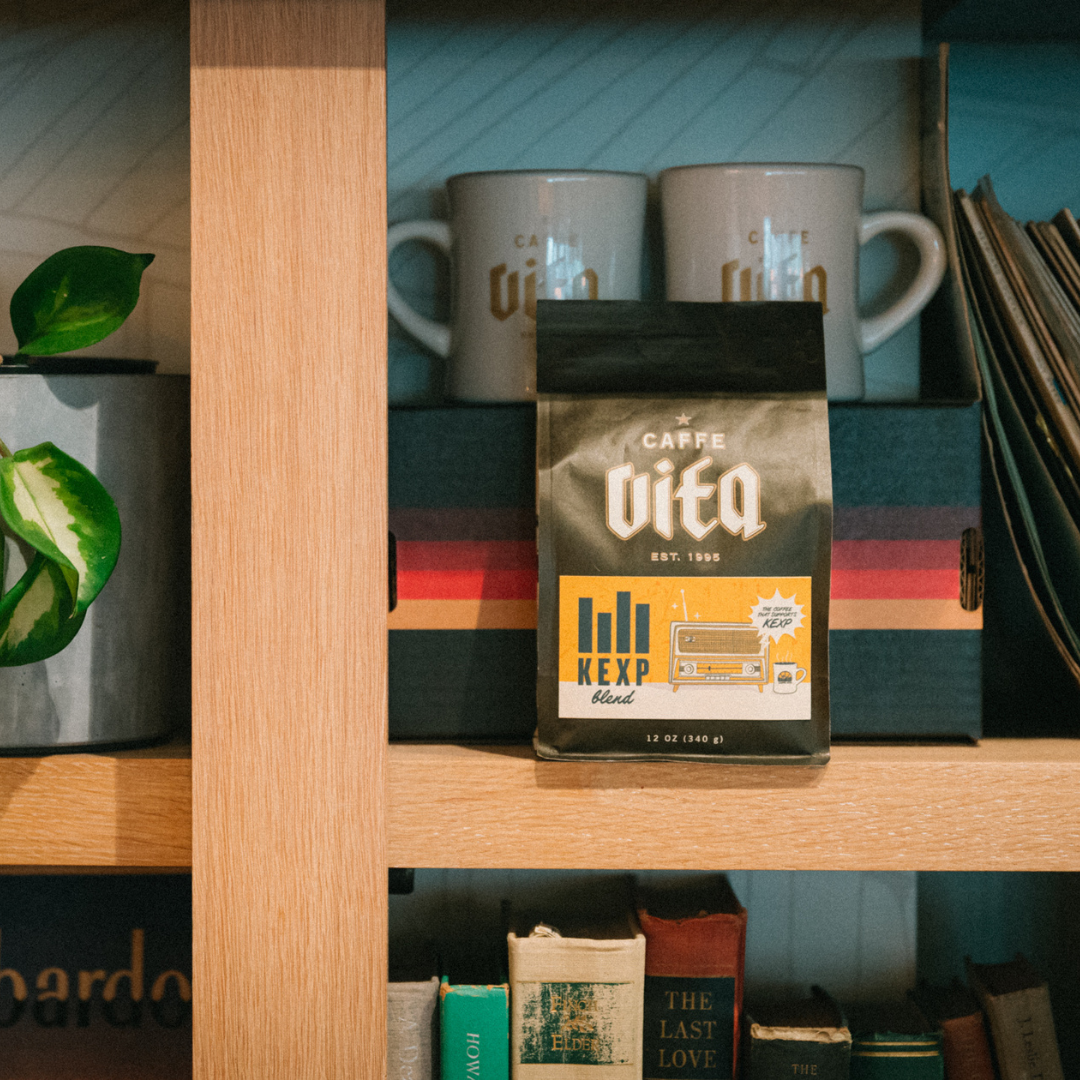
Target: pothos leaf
{"points": [[76, 298], [36, 615], [63, 512]]}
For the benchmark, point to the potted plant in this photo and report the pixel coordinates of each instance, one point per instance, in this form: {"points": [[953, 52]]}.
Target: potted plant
{"points": [[61, 685]]}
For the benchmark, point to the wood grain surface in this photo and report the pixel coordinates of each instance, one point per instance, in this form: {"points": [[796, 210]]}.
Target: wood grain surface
{"points": [[1003, 805], [129, 809], [289, 548]]}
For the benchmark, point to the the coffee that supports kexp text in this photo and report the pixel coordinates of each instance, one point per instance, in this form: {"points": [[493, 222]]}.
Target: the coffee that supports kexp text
{"points": [[685, 510]]}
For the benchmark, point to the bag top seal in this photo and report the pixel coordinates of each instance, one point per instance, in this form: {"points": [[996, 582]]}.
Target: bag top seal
{"points": [[650, 347]]}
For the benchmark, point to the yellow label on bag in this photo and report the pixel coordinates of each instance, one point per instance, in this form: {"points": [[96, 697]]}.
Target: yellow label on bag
{"points": [[685, 647]]}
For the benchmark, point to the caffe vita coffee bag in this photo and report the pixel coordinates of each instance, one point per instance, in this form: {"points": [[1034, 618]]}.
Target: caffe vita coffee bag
{"points": [[685, 528]]}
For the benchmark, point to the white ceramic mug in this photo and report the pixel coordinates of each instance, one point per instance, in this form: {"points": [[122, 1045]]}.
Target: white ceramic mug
{"points": [[791, 232], [514, 238], [786, 676]]}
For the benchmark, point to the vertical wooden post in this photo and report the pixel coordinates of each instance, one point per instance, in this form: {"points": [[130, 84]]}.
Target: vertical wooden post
{"points": [[289, 521]]}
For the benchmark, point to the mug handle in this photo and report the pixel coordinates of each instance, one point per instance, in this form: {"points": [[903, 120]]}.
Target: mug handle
{"points": [[800, 674], [436, 336], [927, 238]]}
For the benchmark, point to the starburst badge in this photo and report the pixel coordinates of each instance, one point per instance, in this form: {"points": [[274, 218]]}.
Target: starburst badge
{"points": [[777, 615], [683, 420]]}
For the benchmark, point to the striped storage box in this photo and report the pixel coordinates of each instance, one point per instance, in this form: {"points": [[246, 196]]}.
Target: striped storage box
{"points": [[906, 619], [463, 514]]}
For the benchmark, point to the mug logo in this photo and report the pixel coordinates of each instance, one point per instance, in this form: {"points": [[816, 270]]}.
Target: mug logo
{"points": [[502, 310], [497, 309], [727, 284]]}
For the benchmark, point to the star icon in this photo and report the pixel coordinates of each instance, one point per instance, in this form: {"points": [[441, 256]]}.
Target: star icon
{"points": [[683, 420]]}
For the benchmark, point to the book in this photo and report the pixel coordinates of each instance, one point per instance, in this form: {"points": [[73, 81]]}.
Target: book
{"points": [[792, 1038], [576, 1000], [1063, 422], [474, 1032], [894, 1041], [1016, 1001], [695, 952], [965, 1044], [1069, 230], [1030, 459], [410, 1029], [1049, 312], [1059, 258]]}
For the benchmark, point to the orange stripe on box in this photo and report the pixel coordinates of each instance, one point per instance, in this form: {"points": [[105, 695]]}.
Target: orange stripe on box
{"points": [[896, 584], [463, 615], [932, 614], [843, 615]]}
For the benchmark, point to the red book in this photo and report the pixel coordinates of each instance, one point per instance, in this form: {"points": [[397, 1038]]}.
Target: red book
{"points": [[966, 1046], [695, 951]]}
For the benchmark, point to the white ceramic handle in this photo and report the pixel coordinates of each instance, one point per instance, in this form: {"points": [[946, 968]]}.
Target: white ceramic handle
{"points": [[800, 674], [874, 332], [436, 336]]}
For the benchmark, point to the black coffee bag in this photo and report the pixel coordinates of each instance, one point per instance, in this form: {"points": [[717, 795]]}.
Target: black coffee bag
{"points": [[685, 507]]}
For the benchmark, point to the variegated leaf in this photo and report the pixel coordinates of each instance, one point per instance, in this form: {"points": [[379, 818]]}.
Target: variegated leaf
{"points": [[36, 615], [62, 511]]}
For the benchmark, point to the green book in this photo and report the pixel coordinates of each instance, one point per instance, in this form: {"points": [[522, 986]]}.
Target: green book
{"points": [[792, 1038], [894, 1042], [474, 1024]]}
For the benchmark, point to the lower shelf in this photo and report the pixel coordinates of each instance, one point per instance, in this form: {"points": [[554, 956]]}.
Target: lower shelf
{"points": [[124, 808], [1007, 804]]}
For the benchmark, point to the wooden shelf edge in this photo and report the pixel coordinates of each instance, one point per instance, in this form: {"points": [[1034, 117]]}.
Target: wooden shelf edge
{"points": [[1002, 805], [118, 809]]}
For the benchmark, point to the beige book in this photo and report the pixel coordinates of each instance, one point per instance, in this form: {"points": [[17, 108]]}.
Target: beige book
{"points": [[1017, 1004], [410, 1029], [577, 1002]]}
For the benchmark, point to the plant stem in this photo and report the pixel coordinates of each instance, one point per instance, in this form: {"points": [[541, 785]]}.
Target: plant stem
{"points": [[4, 451]]}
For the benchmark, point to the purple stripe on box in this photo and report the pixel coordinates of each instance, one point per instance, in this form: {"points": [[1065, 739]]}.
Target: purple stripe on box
{"points": [[463, 523], [903, 522]]}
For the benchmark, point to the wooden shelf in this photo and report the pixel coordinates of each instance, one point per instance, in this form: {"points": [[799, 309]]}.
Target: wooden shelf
{"points": [[1006, 804], [127, 808]]}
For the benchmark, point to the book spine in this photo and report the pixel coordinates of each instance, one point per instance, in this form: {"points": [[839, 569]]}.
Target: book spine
{"points": [[885, 1061], [576, 1008], [689, 1028], [1022, 1027], [693, 995], [410, 1030], [770, 1059], [966, 1048], [1009, 307], [474, 1032]]}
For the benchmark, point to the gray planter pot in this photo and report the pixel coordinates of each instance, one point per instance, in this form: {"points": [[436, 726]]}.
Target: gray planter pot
{"points": [[126, 677]]}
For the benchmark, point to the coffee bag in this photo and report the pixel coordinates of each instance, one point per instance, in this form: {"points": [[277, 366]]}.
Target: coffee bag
{"points": [[685, 526]]}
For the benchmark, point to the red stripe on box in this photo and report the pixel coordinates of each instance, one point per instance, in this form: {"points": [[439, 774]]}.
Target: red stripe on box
{"points": [[466, 584], [419, 555], [896, 584], [896, 554]]}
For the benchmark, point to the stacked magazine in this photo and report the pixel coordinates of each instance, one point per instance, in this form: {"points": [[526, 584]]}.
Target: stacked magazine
{"points": [[1023, 292]]}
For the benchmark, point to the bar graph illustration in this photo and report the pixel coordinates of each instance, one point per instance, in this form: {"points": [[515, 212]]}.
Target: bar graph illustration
{"points": [[631, 624]]}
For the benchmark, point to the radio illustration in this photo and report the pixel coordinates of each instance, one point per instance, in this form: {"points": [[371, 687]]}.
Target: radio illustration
{"points": [[707, 653]]}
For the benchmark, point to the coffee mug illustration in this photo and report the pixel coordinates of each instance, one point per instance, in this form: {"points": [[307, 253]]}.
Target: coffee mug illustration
{"points": [[786, 676], [791, 231], [514, 238]]}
